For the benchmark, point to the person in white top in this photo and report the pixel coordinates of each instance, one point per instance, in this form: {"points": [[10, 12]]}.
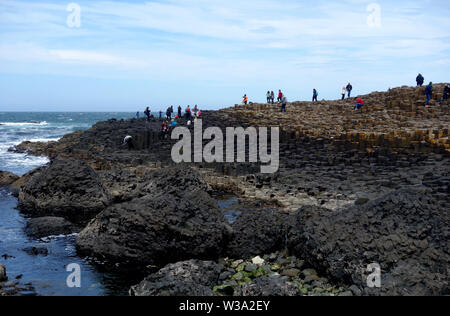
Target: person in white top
{"points": [[343, 92]]}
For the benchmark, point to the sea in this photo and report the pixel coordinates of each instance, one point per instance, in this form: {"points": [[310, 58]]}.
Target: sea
{"points": [[48, 274]]}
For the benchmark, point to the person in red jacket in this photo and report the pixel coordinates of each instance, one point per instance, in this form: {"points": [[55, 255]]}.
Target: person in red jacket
{"points": [[280, 95], [359, 103]]}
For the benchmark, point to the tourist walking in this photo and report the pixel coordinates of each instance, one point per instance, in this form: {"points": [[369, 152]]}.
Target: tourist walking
{"points": [[269, 97], [315, 95], [272, 97], [147, 113], [429, 93], [343, 92], [420, 80], [349, 89], [137, 115], [245, 100], [283, 104]]}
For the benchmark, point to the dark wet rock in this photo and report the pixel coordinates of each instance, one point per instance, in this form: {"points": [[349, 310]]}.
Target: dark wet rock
{"points": [[177, 181], [268, 286], [188, 278], [3, 277], [36, 251], [256, 232], [66, 188], [121, 185], [49, 226], [169, 224], [7, 178], [406, 232]]}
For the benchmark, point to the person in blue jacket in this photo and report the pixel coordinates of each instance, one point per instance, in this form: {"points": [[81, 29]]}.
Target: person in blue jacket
{"points": [[429, 93], [315, 95]]}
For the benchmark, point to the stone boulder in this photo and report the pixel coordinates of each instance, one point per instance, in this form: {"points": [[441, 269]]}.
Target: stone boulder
{"points": [[66, 188], [405, 232], [188, 278], [256, 232], [49, 226], [121, 185], [7, 178], [170, 223]]}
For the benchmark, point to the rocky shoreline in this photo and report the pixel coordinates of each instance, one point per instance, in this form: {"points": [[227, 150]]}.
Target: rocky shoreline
{"points": [[352, 190]]}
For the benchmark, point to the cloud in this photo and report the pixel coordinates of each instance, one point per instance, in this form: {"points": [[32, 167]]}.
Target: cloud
{"points": [[233, 43]]}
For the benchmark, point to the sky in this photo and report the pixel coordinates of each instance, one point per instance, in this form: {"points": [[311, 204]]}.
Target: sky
{"points": [[125, 55]]}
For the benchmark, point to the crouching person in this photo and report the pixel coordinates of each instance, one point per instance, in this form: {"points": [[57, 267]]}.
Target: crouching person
{"points": [[359, 104], [128, 141]]}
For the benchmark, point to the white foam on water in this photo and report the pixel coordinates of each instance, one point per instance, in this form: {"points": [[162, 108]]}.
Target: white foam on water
{"points": [[23, 123], [43, 140]]}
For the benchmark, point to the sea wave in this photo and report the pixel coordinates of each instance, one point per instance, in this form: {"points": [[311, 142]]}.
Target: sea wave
{"points": [[44, 140], [23, 123]]}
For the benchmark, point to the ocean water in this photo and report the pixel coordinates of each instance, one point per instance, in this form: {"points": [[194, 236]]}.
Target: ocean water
{"points": [[47, 274], [39, 126]]}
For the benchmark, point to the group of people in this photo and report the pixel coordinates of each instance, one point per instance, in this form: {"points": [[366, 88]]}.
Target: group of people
{"points": [[347, 90], [189, 113], [271, 96], [429, 89]]}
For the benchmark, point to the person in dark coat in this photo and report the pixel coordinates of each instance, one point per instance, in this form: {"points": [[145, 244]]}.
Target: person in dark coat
{"points": [[315, 95], [147, 113], [349, 89], [429, 93], [420, 79]]}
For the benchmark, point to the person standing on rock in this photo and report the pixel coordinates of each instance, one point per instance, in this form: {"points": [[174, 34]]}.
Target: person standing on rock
{"points": [[195, 110], [315, 95], [280, 95], [269, 98], [429, 93], [349, 89], [147, 113], [245, 101], [179, 111], [446, 91], [188, 113], [420, 79], [272, 97], [137, 115], [359, 104], [283, 104], [343, 92]]}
